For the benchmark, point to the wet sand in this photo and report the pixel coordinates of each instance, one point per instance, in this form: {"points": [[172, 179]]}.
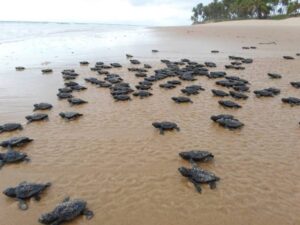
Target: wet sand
{"points": [[113, 158]]}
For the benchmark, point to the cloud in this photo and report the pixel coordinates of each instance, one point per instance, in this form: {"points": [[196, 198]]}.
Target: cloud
{"points": [[140, 12]]}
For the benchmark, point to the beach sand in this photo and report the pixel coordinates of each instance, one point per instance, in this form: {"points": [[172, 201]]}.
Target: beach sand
{"points": [[114, 159]]}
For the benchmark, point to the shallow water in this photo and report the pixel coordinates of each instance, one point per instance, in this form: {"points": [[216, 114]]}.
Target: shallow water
{"points": [[113, 158]]}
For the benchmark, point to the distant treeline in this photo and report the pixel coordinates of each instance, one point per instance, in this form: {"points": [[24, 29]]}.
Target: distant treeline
{"points": [[220, 10]]}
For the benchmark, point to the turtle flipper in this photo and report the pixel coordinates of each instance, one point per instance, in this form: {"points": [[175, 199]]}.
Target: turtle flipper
{"points": [[88, 214], [66, 199], [56, 222], [177, 128], [1, 163], [161, 131], [22, 204], [193, 163], [197, 186], [212, 185], [37, 197]]}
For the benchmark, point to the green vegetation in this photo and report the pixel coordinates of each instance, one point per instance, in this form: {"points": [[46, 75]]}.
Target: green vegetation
{"points": [[220, 10]]}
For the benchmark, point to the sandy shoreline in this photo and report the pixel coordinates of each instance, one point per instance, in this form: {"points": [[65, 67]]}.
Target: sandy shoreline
{"points": [[113, 158]]}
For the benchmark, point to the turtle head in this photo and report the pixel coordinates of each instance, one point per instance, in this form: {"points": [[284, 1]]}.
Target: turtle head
{"points": [[62, 114], [156, 124], [47, 218], [10, 192], [184, 171]]}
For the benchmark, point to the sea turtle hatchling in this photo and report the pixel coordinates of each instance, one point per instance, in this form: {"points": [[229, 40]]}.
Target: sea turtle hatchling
{"points": [[7, 127], [70, 115], [229, 104], [164, 126], [196, 156], [291, 100], [295, 84], [76, 101], [142, 94], [199, 176], [66, 211], [219, 93], [62, 95], [36, 117], [274, 75], [15, 142], [47, 70], [227, 121], [182, 99], [12, 156], [24, 191], [42, 106], [20, 68]]}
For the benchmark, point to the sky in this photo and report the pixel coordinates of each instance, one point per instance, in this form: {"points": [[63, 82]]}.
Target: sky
{"points": [[133, 12]]}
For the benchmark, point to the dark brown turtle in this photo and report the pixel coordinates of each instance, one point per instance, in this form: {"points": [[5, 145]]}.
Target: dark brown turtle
{"points": [[25, 191], [66, 211]]}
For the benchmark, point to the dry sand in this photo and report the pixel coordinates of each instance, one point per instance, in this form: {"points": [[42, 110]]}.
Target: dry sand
{"points": [[113, 158]]}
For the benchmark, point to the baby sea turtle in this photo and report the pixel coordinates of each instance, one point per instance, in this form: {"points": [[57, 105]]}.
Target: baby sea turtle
{"points": [[164, 126], [142, 94], [84, 63], [116, 65], [147, 66], [182, 99], [71, 83], [37, 117], [274, 75], [122, 97], [295, 84], [78, 88], [155, 51], [12, 156], [219, 93], [65, 90], [288, 57], [214, 51], [227, 121], [197, 156], [167, 86], [70, 115], [26, 191], [15, 142], [143, 87], [7, 127], [263, 93], [199, 176], [63, 95], [174, 82], [135, 61], [229, 104], [224, 116], [192, 90], [66, 211], [210, 64], [42, 106], [20, 68], [139, 74], [76, 101], [47, 71], [216, 74], [230, 123], [129, 56], [247, 61], [291, 100], [237, 95]]}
